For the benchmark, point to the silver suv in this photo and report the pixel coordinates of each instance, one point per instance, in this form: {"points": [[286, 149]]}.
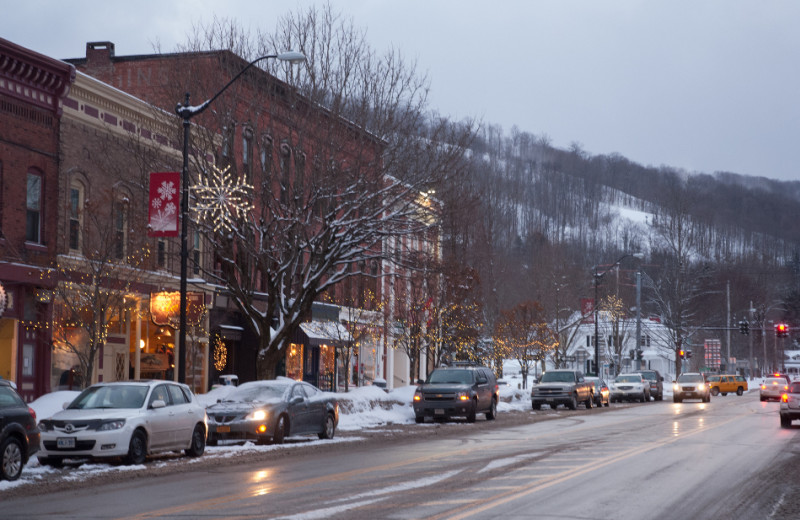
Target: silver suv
{"points": [[691, 385]]}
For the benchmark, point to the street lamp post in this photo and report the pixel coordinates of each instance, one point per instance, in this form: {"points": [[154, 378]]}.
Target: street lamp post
{"points": [[597, 277], [187, 112]]}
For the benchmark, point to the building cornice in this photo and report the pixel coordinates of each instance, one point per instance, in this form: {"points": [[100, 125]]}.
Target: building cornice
{"points": [[34, 78]]}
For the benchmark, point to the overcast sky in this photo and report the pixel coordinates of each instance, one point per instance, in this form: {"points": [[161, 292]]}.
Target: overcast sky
{"points": [[702, 85]]}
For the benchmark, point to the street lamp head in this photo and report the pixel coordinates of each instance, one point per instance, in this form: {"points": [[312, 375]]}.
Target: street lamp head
{"points": [[291, 57]]}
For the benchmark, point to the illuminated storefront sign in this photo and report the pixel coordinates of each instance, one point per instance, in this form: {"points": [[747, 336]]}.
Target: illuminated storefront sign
{"points": [[165, 307]]}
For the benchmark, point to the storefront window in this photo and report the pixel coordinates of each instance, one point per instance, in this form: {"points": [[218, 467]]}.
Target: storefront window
{"points": [[294, 362]]}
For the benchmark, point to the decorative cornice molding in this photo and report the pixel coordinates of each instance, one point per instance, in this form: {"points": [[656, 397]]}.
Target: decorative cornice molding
{"points": [[34, 78]]}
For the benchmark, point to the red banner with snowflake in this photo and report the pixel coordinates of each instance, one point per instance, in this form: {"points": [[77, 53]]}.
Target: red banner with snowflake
{"points": [[164, 204]]}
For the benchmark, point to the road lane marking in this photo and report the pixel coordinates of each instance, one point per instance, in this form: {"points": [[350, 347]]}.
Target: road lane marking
{"points": [[481, 505]]}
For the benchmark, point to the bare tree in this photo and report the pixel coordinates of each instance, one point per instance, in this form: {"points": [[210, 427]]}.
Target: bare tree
{"points": [[524, 335], [346, 149]]}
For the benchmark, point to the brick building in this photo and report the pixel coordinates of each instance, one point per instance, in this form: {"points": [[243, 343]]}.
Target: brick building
{"points": [[32, 91], [271, 136]]}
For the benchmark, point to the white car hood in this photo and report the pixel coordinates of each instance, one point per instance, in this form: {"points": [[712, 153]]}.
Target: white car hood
{"points": [[96, 413]]}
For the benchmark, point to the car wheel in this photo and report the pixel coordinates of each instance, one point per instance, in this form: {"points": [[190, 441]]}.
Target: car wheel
{"points": [[11, 455], [763, 398], [329, 428], [198, 446], [492, 413], [280, 430], [536, 406], [724, 393], [419, 419], [53, 462], [137, 448], [786, 422], [739, 391], [573, 402], [472, 414], [589, 403], [715, 391], [676, 399]]}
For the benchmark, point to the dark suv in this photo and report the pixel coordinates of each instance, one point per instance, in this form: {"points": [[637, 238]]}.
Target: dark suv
{"points": [[19, 435], [656, 381], [457, 391]]}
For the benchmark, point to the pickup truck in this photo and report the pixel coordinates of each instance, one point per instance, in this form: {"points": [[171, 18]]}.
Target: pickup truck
{"points": [[567, 387]]}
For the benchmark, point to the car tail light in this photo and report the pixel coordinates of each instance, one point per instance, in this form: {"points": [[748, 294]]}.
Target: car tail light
{"points": [[784, 398], [33, 413]]}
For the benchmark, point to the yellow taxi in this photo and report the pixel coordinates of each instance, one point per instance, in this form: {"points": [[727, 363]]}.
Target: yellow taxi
{"points": [[724, 383]]}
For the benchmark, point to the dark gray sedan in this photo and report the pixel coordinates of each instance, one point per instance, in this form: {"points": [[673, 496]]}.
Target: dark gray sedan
{"points": [[264, 411]]}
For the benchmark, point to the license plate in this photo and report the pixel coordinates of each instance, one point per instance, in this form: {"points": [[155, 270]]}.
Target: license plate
{"points": [[223, 429], [550, 399], [65, 442], [439, 411]]}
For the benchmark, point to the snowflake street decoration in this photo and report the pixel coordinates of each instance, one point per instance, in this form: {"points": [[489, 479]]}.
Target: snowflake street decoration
{"points": [[163, 216], [221, 199]]}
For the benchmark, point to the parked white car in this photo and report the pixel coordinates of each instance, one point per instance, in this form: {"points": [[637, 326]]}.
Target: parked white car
{"points": [[629, 387], [128, 419]]}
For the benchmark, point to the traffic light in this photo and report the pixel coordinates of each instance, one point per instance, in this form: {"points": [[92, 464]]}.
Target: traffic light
{"points": [[781, 330], [688, 354], [744, 327], [681, 354]]}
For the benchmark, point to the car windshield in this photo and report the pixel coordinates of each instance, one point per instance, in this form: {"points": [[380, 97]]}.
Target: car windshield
{"points": [[629, 379], [775, 381], [258, 393], [459, 377], [110, 396], [713, 379], [649, 375], [558, 377], [690, 378]]}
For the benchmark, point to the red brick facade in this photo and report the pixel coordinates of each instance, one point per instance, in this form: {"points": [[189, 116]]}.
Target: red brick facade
{"points": [[32, 89]]}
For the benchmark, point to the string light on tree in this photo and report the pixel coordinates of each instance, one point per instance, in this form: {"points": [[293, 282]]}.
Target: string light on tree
{"points": [[222, 199]]}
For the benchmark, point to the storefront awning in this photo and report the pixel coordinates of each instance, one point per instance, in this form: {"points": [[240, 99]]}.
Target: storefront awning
{"points": [[325, 333]]}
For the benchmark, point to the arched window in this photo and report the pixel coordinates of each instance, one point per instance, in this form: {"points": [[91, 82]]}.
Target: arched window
{"points": [[33, 204]]}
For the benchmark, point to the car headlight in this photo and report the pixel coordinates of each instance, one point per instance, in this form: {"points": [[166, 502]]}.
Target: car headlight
{"points": [[462, 396], [701, 386], [45, 426], [257, 415], [417, 396], [113, 424], [676, 387]]}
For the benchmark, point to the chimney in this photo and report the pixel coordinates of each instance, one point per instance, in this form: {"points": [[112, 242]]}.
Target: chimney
{"points": [[98, 60]]}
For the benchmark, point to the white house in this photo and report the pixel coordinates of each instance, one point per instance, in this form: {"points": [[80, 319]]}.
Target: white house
{"points": [[656, 347]]}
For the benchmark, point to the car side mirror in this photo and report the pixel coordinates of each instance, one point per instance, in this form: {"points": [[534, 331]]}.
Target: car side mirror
{"points": [[420, 382], [158, 403], [482, 381], [296, 399]]}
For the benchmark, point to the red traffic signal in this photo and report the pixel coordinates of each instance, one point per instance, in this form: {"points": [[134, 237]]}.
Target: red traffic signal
{"points": [[681, 354], [781, 330]]}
